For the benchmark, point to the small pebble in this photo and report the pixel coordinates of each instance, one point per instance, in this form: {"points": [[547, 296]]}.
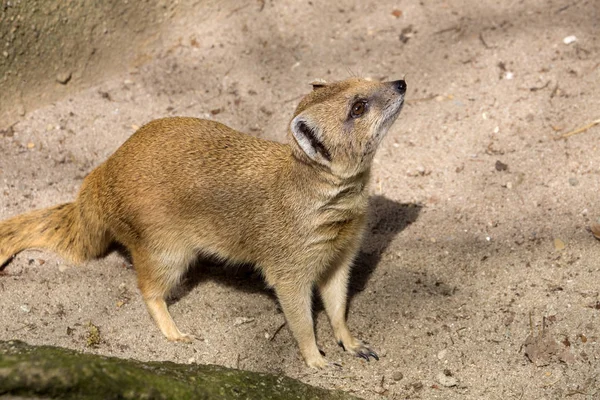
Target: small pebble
{"points": [[500, 166], [573, 181], [397, 376], [62, 268], [63, 78], [25, 308], [570, 39], [397, 13], [242, 320], [595, 228], [442, 354], [446, 380]]}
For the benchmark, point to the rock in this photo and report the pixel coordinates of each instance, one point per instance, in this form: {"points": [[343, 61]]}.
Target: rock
{"points": [[52, 372], [21, 109], [63, 78], [442, 354], [446, 379], [595, 228], [573, 181], [397, 376], [500, 166]]}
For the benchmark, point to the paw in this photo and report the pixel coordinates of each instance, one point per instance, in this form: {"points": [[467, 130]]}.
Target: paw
{"points": [[317, 362], [359, 349], [182, 338]]}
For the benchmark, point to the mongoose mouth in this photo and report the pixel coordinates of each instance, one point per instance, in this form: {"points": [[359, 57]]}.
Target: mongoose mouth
{"points": [[393, 108], [391, 111]]}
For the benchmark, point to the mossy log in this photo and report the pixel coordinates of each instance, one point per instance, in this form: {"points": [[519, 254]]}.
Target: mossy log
{"points": [[53, 372]]}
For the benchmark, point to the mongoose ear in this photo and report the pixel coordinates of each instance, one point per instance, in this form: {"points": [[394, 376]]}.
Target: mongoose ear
{"points": [[308, 137], [318, 84]]}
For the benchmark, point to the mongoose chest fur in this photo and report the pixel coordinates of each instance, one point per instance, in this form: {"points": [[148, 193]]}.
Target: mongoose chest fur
{"points": [[180, 188]]}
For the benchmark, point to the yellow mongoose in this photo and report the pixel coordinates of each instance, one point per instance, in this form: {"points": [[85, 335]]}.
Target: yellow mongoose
{"points": [[180, 188]]}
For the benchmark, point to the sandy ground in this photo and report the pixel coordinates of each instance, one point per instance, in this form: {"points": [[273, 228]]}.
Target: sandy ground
{"points": [[478, 279]]}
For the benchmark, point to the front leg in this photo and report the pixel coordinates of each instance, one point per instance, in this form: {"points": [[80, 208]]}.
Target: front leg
{"points": [[296, 301], [334, 292]]}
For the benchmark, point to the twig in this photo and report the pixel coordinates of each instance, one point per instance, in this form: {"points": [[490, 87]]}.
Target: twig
{"points": [[237, 9], [276, 332], [574, 392], [578, 130], [452, 28], [535, 89], [482, 40]]}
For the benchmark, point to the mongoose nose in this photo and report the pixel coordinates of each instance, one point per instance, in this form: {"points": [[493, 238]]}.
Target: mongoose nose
{"points": [[400, 86]]}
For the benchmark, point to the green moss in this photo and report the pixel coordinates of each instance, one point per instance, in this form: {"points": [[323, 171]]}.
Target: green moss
{"points": [[93, 338], [55, 372]]}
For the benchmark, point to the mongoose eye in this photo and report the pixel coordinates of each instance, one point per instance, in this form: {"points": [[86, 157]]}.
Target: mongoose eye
{"points": [[358, 109]]}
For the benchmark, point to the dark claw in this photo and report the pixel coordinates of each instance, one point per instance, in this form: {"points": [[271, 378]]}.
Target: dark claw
{"points": [[341, 344], [374, 355], [366, 353]]}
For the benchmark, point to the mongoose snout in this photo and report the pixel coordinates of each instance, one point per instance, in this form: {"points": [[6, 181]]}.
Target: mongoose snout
{"points": [[400, 86], [179, 188]]}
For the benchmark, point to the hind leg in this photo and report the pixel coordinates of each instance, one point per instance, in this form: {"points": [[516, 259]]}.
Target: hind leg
{"points": [[156, 277]]}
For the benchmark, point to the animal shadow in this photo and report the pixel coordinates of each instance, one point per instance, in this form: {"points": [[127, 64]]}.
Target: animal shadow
{"points": [[387, 218]]}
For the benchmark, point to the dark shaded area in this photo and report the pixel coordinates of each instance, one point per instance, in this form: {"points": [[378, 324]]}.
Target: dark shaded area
{"points": [[48, 371], [387, 219]]}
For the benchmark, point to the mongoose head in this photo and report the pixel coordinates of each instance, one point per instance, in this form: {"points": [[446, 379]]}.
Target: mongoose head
{"points": [[339, 126]]}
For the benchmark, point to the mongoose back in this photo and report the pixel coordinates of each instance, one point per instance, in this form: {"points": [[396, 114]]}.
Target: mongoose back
{"points": [[180, 188]]}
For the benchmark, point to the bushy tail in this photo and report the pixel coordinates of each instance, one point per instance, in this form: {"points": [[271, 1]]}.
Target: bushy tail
{"points": [[65, 229]]}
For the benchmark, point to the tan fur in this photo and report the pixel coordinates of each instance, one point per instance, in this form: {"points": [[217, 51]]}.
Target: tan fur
{"points": [[183, 187]]}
